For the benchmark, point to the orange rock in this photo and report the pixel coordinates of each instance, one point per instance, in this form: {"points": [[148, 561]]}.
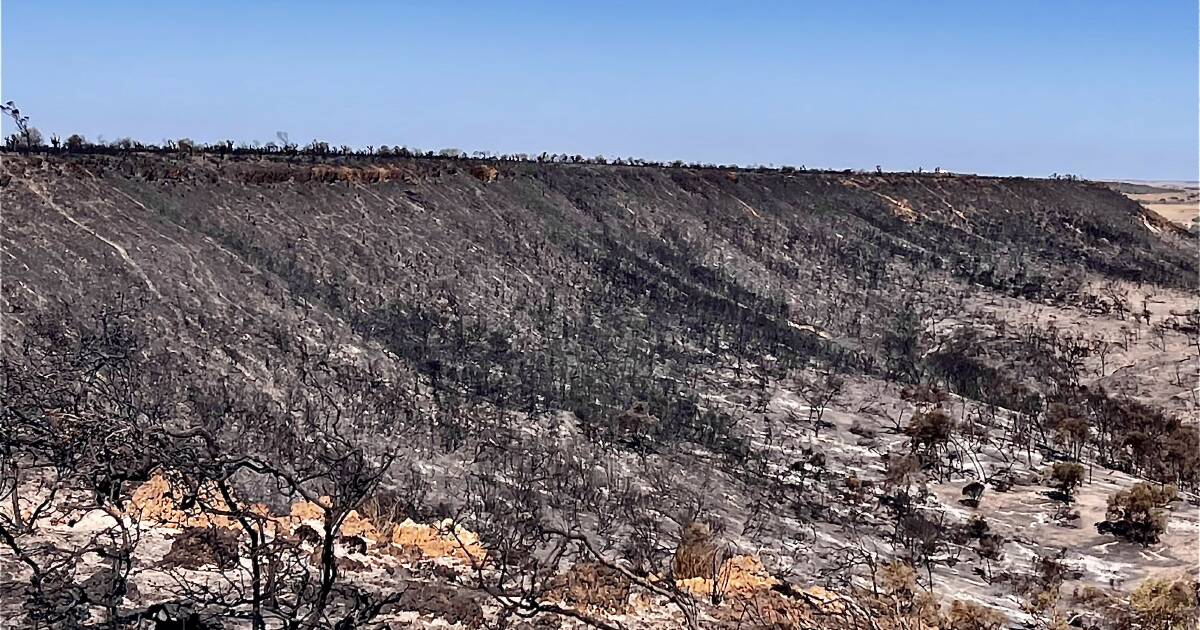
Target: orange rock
{"points": [[357, 525], [159, 502], [747, 572], [438, 542], [739, 574], [309, 511], [828, 599]]}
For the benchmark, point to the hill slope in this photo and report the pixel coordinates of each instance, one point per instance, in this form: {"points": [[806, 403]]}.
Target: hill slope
{"points": [[241, 241], [679, 325]]}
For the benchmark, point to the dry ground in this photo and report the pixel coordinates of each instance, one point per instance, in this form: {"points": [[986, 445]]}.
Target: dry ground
{"points": [[1175, 201]]}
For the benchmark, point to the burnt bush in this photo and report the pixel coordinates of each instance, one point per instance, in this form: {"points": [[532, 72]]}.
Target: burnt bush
{"points": [[198, 547]]}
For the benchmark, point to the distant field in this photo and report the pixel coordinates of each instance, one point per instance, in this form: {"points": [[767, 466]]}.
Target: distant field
{"points": [[1176, 201]]}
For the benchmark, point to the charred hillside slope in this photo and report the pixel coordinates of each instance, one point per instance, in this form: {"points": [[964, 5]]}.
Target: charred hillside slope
{"points": [[672, 336], [624, 282], [812, 264]]}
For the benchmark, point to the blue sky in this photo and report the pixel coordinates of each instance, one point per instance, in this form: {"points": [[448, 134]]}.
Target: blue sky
{"points": [[1101, 89]]}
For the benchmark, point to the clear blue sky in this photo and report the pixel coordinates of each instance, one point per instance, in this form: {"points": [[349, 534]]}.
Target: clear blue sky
{"points": [[1101, 89]]}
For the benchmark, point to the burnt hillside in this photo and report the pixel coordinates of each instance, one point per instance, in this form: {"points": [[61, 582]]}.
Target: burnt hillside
{"points": [[617, 279], [601, 371]]}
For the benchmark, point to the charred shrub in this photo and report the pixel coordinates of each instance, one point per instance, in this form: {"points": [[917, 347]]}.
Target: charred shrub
{"points": [[198, 547], [593, 585], [697, 554]]}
